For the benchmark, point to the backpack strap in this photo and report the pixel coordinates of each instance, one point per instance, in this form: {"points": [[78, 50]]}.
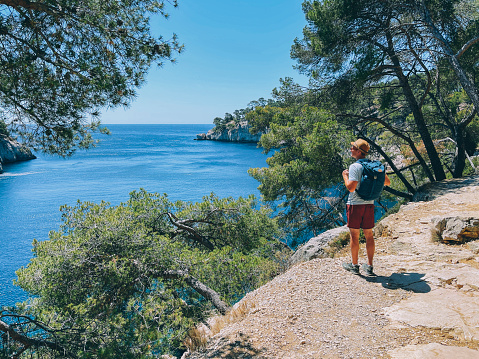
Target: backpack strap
{"points": [[363, 160]]}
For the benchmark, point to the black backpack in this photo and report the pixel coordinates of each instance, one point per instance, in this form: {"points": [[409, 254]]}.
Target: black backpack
{"points": [[372, 179]]}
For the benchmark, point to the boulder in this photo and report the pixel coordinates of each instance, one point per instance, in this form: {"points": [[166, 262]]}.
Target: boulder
{"points": [[315, 247], [456, 229]]}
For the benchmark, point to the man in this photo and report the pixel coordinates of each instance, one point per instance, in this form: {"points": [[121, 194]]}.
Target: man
{"points": [[360, 213]]}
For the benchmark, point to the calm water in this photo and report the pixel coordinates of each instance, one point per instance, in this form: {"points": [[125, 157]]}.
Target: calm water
{"points": [[158, 158]]}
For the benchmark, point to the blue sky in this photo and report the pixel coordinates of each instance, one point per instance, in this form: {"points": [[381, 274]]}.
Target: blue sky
{"points": [[235, 52]]}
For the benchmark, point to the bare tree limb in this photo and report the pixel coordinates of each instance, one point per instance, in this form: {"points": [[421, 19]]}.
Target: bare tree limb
{"points": [[199, 287], [28, 342], [196, 236], [466, 46], [398, 193]]}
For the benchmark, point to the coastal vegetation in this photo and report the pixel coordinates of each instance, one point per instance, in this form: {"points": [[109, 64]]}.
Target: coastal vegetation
{"points": [[64, 61], [402, 75], [134, 278], [131, 280], [231, 120]]}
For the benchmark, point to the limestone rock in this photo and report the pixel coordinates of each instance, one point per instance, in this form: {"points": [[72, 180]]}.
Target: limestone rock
{"points": [[456, 275], [13, 151], [237, 133], [433, 351], [383, 228], [448, 310], [456, 229], [315, 247], [474, 247]]}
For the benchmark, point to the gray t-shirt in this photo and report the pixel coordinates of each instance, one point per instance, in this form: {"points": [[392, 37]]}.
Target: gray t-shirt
{"points": [[355, 172]]}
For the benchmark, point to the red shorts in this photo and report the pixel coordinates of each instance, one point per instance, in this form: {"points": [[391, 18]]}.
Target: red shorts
{"points": [[360, 216]]}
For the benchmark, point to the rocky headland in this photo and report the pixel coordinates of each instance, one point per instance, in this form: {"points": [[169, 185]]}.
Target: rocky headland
{"points": [[423, 302], [232, 133], [13, 151]]}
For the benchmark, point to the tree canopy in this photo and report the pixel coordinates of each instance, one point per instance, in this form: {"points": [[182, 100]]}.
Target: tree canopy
{"points": [[379, 71], [304, 169], [352, 47], [62, 61], [134, 278]]}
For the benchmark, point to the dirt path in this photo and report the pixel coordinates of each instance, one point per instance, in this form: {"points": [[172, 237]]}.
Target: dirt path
{"points": [[317, 310]]}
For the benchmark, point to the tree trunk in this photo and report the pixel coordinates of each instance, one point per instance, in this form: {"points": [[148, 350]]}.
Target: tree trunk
{"points": [[467, 84], [399, 193], [418, 118], [199, 287], [191, 231], [460, 156], [29, 342]]}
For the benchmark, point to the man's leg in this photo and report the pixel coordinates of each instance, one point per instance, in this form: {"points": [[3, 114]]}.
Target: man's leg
{"points": [[354, 244], [370, 245]]}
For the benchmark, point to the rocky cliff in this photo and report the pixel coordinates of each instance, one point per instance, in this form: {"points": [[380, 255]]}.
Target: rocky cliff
{"points": [[422, 303], [233, 133], [13, 151]]}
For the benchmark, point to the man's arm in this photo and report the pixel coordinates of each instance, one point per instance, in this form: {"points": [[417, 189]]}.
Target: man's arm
{"points": [[350, 185]]}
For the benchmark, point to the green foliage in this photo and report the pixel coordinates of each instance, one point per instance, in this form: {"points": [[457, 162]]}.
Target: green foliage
{"points": [[305, 166], [105, 282], [63, 61], [373, 60], [231, 120], [339, 243], [262, 117], [3, 129]]}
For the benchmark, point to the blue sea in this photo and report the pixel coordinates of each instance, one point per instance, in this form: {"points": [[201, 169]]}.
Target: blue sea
{"points": [[158, 158]]}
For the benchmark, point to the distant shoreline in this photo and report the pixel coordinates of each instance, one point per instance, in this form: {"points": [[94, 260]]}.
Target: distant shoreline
{"points": [[233, 132]]}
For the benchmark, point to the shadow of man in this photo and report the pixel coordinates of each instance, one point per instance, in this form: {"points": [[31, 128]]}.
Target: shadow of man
{"points": [[413, 282]]}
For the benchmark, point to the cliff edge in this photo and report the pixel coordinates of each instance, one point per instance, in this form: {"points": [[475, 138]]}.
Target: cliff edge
{"points": [[13, 151], [423, 302]]}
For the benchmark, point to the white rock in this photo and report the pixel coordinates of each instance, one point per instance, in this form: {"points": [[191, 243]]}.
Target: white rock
{"points": [[440, 309], [433, 351]]}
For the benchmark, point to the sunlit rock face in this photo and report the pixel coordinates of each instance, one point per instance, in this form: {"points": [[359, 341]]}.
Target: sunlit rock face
{"points": [[237, 133], [13, 151]]}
